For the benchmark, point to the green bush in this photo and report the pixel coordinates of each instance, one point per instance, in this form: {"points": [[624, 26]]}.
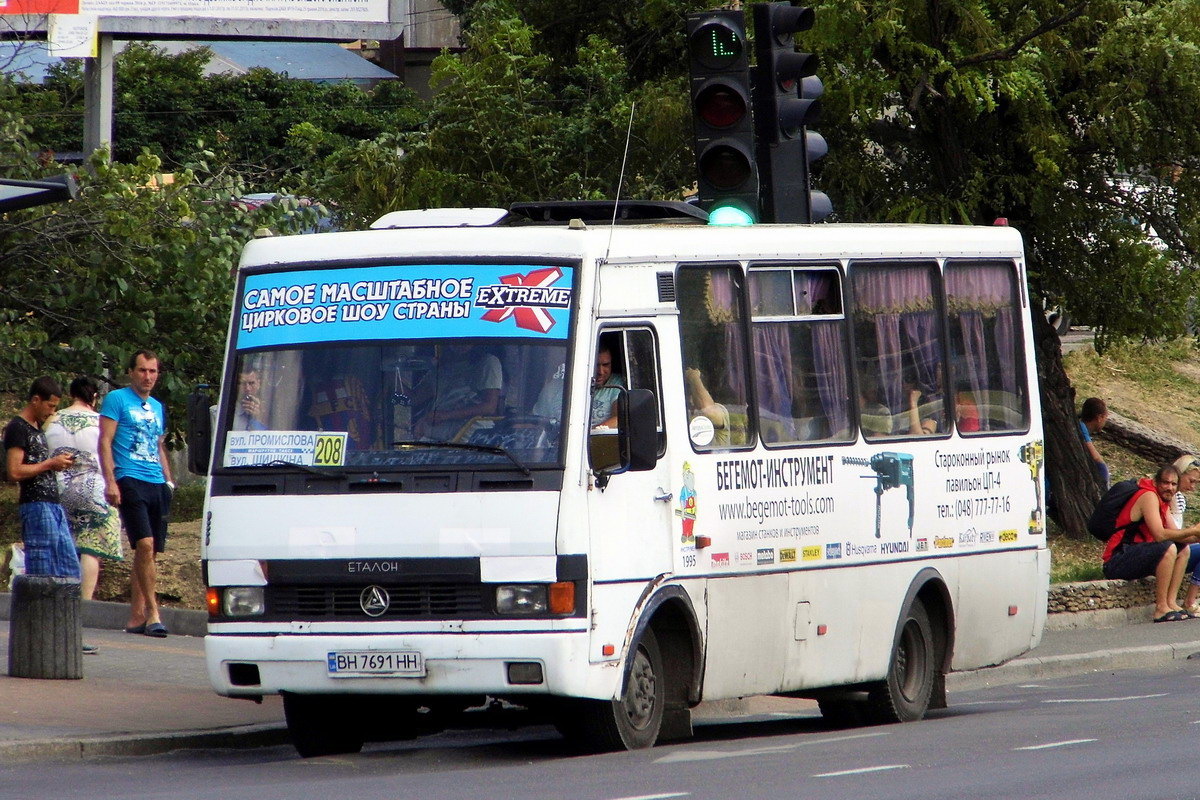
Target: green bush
{"points": [[188, 502]]}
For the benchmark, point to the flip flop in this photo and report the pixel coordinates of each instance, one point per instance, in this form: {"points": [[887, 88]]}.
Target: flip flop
{"points": [[136, 628], [157, 630], [1172, 616]]}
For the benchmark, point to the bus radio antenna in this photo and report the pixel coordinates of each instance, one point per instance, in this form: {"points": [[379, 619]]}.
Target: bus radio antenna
{"points": [[892, 470], [621, 178]]}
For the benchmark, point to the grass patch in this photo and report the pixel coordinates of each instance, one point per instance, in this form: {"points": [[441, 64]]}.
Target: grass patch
{"points": [[1074, 560]]}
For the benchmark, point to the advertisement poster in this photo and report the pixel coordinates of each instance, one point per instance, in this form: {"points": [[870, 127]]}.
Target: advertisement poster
{"points": [[404, 302]]}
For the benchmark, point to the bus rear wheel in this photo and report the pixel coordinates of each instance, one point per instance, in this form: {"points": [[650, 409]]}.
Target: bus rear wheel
{"points": [[905, 694], [316, 727], [631, 722]]}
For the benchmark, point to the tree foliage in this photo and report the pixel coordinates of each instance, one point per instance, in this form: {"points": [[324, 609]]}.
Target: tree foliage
{"points": [[511, 121], [1070, 119], [132, 262], [164, 104]]}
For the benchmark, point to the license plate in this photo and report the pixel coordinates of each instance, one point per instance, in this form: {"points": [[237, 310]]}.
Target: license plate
{"points": [[366, 663]]}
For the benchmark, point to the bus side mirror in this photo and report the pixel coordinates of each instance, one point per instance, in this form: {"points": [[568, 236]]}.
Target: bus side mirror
{"points": [[199, 430], [641, 425], [634, 445]]}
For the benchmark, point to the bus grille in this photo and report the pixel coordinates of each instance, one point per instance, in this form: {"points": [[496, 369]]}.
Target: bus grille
{"points": [[408, 601]]}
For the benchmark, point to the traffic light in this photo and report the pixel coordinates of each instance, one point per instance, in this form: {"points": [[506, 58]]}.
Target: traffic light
{"points": [[723, 138], [786, 101]]}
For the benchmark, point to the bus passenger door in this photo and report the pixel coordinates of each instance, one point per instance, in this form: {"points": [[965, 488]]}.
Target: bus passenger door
{"points": [[630, 517]]}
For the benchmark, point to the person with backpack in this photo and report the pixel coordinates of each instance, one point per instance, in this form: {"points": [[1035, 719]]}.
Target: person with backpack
{"points": [[1146, 543]]}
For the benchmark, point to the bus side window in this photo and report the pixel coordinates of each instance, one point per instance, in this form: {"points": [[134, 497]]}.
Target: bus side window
{"points": [[898, 338], [800, 355], [716, 372], [986, 358]]}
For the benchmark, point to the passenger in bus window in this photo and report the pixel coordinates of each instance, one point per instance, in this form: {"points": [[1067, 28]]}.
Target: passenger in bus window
{"points": [[466, 383], [966, 410], [606, 387], [700, 402], [251, 411], [924, 410], [874, 416]]}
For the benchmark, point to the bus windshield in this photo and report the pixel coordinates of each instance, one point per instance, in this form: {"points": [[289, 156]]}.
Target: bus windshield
{"points": [[398, 404], [399, 366]]}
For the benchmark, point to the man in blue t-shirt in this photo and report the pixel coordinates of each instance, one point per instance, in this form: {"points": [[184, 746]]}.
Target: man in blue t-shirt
{"points": [[137, 478], [1092, 417]]}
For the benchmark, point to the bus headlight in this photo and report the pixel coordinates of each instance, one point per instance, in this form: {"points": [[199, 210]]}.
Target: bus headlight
{"points": [[243, 601], [522, 598]]}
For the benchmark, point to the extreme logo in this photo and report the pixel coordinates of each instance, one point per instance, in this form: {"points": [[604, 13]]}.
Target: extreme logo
{"points": [[525, 298]]}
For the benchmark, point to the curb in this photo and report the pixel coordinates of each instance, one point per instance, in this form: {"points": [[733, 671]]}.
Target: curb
{"points": [[113, 616], [246, 736], [1028, 669]]}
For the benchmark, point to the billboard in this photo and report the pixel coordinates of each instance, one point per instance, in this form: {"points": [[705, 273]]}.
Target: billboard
{"points": [[310, 10], [331, 10], [39, 7]]}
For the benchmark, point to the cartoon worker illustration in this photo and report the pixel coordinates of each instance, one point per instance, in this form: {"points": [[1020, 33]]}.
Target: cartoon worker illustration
{"points": [[687, 505]]}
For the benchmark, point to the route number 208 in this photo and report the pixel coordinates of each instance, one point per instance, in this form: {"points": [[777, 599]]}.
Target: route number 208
{"points": [[330, 450]]}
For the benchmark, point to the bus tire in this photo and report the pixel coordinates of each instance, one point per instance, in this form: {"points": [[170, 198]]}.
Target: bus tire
{"points": [[904, 695], [631, 722], [316, 728]]}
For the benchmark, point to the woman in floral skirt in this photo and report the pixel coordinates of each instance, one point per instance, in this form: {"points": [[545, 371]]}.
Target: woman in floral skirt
{"points": [[95, 524]]}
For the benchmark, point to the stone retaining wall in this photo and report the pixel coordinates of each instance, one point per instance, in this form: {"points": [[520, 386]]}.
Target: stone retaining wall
{"points": [[1099, 595]]}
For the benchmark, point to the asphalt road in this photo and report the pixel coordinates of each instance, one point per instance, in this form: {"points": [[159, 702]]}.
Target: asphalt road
{"points": [[1129, 734]]}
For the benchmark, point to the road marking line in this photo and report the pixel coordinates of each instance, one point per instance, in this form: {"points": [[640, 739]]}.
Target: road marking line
{"points": [[1107, 699], [713, 755], [1054, 744], [861, 770], [654, 796]]}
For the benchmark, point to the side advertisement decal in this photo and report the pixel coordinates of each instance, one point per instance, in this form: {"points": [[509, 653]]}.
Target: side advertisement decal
{"points": [[412, 302], [752, 512]]}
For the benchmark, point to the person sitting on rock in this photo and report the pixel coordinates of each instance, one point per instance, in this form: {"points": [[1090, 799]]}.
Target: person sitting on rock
{"points": [[1154, 547]]}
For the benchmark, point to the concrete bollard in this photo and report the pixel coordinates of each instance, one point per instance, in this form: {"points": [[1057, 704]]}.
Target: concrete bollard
{"points": [[45, 633]]}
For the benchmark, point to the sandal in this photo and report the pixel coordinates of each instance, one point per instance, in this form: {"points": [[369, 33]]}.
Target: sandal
{"points": [[1173, 616]]}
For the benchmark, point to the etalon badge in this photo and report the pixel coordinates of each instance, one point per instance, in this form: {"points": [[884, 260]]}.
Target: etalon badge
{"points": [[374, 601]]}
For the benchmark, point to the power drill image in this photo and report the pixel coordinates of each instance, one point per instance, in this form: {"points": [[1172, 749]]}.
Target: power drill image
{"points": [[1033, 455], [892, 470]]}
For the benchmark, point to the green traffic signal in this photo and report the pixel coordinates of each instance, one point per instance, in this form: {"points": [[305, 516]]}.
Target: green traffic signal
{"points": [[732, 214]]}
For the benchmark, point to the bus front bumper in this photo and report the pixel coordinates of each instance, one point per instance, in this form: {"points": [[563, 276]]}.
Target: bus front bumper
{"points": [[447, 664]]}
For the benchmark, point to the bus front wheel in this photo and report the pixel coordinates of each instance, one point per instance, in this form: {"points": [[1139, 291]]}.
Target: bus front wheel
{"points": [[316, 727], [631, 722], [905, 694]]}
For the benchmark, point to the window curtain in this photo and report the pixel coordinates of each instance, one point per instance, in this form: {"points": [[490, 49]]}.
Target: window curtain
{"points": [[982, 296], [723, 309], [884, 296], [829, 358]]}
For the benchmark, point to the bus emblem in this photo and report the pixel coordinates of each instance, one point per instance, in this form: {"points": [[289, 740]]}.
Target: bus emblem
{"points": [[374, 600]]}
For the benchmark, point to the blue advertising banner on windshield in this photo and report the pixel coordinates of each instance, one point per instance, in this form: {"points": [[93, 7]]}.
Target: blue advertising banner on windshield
{"points": [[430, 301]]}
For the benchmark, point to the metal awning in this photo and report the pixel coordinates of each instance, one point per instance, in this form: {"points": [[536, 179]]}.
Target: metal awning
{"points": [[15, 195]]}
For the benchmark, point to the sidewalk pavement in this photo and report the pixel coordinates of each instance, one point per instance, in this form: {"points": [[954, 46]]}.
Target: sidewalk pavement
{"points": [[141, 695]]}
